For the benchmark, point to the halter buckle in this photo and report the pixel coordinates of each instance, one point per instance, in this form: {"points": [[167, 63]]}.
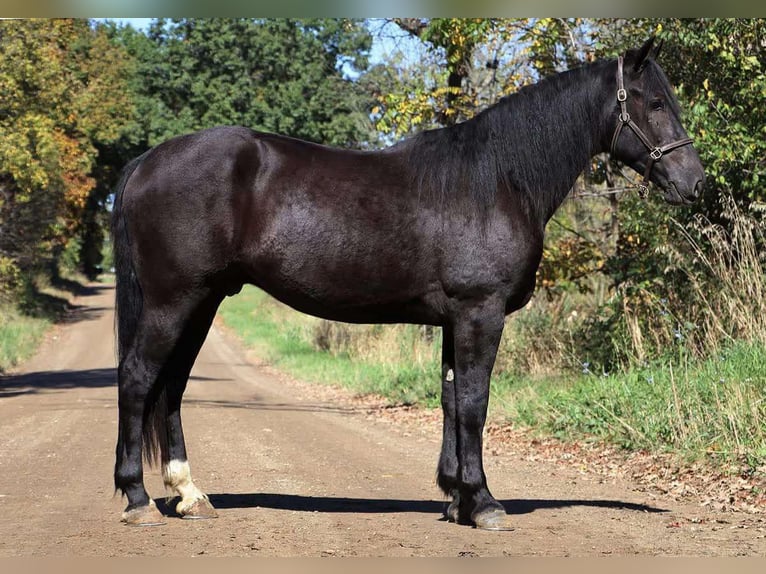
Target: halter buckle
{"points": [[622, 95], [655, 154]]}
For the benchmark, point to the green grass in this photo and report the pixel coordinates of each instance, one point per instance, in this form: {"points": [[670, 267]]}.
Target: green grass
{"points": [[20, 335], [283, 338], [28, 312], [714, 410], [710, 409]]}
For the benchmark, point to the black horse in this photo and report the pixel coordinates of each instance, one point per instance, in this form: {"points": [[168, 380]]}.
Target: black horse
{"points": [[445, 229]]}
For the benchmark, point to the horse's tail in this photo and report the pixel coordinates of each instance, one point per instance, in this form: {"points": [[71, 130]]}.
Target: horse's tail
{"points": [[128, 305], [129, 299]]}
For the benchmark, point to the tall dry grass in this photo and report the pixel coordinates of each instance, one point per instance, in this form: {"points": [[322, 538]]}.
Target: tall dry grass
{"points": [[719, 291]]}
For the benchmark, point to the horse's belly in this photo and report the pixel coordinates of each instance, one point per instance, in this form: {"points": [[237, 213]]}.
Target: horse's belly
{"points": [[353, 303], [351, 280]]}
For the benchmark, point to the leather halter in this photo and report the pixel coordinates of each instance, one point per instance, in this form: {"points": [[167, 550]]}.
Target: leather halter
{"points": [[655, 152]]}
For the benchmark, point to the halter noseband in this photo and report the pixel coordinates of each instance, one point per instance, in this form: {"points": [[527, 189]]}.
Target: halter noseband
{"points": [[655, 153]]}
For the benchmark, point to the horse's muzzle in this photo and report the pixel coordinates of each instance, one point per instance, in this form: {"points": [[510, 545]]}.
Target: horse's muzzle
{"points": [[679, 193]]}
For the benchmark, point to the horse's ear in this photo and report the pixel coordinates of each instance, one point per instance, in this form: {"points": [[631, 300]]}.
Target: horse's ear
{"points": [[637, 58], [657, 50]]}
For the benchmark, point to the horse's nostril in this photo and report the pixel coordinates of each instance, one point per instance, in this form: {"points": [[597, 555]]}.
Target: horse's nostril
{"points": [[698, 188]]}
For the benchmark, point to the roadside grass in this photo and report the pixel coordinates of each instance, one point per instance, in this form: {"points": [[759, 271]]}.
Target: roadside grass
{"points": [[713, 409], [20, 335], [25, 317]]}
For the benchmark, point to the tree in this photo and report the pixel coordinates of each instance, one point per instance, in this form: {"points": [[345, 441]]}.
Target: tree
{"points": [[451, 85], [59, 100], [283, 75], [721, 67]]}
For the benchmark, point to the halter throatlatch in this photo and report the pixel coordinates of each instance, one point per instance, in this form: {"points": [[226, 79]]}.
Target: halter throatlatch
{"points": [[655, 152]]}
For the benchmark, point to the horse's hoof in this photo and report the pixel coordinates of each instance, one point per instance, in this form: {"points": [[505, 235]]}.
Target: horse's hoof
{"points": [[493, 519], [143, 516], [199, 509]]}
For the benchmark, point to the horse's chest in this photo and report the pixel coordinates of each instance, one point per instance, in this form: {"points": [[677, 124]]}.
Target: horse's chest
{"points": [[506, 266], [519, 273]]}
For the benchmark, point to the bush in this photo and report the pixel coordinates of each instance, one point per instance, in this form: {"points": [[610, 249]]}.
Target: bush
{"points": [[10, 279]]}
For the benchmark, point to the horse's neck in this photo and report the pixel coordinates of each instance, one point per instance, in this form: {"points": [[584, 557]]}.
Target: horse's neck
{"points": [[568, 131]]}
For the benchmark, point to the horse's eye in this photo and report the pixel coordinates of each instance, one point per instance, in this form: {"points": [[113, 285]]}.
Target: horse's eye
{"points": [[657, 105]]}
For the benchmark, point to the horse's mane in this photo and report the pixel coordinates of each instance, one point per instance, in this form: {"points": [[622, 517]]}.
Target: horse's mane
{"points": [[529, 142]]}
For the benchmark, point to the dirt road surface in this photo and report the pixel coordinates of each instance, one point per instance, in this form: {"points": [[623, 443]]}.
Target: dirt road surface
{"points": [[295, 470]]}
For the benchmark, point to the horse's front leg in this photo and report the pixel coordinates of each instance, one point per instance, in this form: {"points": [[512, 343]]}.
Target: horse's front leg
{"points": [[477, 331], [447, 471]]}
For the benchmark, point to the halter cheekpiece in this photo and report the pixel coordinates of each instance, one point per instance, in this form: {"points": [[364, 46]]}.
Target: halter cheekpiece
{"points": [[655, 152]]}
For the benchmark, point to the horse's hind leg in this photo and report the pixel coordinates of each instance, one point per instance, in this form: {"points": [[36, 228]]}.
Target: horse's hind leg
{"points": [[142, 404], [137, 374], [176, 471]]}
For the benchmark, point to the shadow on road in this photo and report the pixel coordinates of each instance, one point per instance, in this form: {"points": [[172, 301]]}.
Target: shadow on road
{"points": [[56, 380], [77, 313], [272, 406], [42, 381], [379, 505], [59, 310]]}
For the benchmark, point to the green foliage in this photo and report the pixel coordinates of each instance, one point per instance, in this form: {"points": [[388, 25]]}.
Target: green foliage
{"points": [[279, 75], [63, 94], [445, 88], [468, 63], [69, 260], [556, 44], [537, 340], [699, 288], [721, 66], [10, 279]]}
